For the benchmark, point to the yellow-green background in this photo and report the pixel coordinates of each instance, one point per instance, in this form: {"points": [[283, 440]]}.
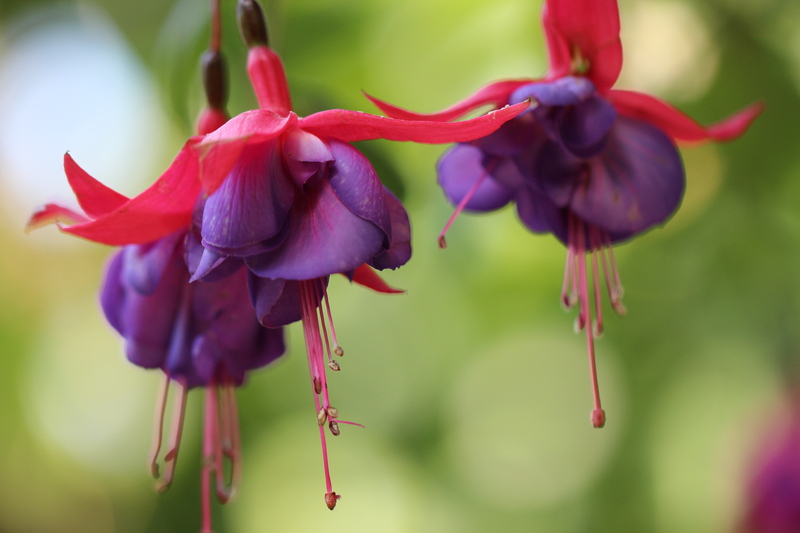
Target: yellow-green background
{"points": [[472, 386]]}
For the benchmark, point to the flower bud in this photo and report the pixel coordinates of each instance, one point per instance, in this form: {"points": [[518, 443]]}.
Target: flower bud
{"points": [[251, 23], [215, 78]]}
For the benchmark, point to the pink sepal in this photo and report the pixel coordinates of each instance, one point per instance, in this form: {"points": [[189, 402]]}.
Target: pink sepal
{"points": [[350, 126], [268, 78], [367, 277], [163, 208], [94, 198], [495, 94], [590, 28], [53, 213], [220, 149], [678, 125]]}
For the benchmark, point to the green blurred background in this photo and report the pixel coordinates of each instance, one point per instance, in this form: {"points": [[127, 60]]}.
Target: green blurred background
{"points": [[472, 386]]}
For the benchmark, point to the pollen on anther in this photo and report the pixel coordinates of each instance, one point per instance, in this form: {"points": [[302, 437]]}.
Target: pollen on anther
{"points": [[333, 412], [333, 365], [597, 329], [322, 416], [334, 427], [338, 351]]}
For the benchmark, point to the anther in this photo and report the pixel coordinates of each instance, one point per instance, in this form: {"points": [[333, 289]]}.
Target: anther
{"points": [[597, 329], [322, 416], [338, 351], [619, 308], [334, 427], [330, 500], [333, 365], [317, 386], [598, 418], [333, 412], [580, 322]]}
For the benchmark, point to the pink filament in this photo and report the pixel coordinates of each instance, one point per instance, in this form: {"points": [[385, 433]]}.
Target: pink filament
{"points": [[464, 201], [171, 457], [158, 426], [210, 432], [309, 304]]}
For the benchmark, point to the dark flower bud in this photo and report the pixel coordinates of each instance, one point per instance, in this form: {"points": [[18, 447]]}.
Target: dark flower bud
{"points": [[251, 23], [215, 79]]}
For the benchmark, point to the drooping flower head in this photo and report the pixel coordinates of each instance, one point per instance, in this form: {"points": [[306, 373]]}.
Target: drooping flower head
{"points": [[199, 334], [296, 202], [590, 164], [287, 196]]}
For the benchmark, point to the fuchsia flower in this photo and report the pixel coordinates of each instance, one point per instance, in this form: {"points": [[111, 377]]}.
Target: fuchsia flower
{"points": [[286, 196], [591, 164], [200, 334]]}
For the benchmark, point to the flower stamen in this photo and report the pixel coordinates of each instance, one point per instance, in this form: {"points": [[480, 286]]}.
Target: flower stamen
{"points": [[465, 200], [171, 457], [336, 348], [578, 248], [227, 445], [309, 300], [158, 426]]}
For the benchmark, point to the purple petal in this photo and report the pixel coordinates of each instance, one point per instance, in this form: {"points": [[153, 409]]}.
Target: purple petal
{"points": [[149, 322], [144, 264], [112, 294], [251, 204], [540, 215], [399, 251], [358, 187], [584, 127], [568, 90], [512, 137], [178, 363], [460, 168], [635, 183], [570, 112], [277, 301], [230, 342], [554, 171], [212, 358], [206, 264], [325, 237]]}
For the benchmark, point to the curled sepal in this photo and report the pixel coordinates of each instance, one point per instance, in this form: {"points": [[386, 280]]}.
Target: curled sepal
{"points": [[94, 198], [165, 207], [676, 124], [351, 126], [54, 214], [495, 94]]}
